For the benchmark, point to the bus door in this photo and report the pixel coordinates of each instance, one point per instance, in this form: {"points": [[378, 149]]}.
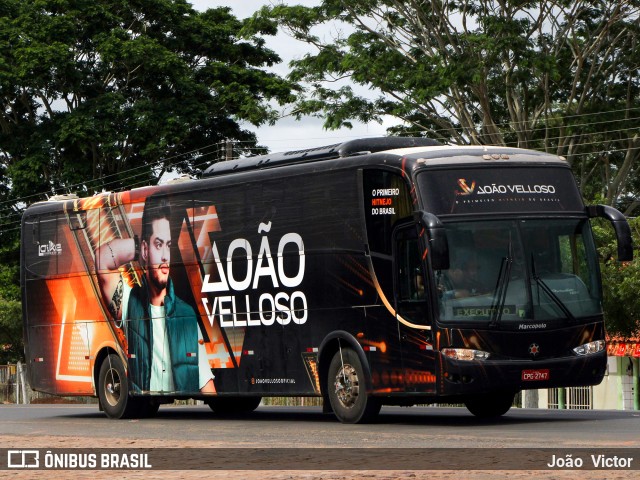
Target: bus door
{"points": [[412, 311]]}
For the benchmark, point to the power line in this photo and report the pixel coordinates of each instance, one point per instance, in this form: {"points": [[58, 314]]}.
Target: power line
{"points": [[15, 224], [144, 167], [209, 150]]}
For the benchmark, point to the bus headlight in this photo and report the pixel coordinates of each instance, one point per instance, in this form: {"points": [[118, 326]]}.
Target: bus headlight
{"points": [[465, 354], [589, 348]]}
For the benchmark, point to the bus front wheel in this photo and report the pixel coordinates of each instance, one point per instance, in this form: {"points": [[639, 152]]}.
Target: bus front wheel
{"points": [[113, 389], [347, 391], [490, 405]]}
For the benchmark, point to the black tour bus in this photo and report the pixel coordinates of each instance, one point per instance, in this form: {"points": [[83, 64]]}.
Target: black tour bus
{"points": [[386, 271]]}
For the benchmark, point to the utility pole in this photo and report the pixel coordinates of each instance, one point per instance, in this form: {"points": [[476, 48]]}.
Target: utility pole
{"points": [[228, 150], [562, 398], [21, 384], [636, 383]]}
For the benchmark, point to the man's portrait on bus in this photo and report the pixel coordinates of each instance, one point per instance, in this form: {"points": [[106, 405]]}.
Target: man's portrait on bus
{"points": [[165, 346]]}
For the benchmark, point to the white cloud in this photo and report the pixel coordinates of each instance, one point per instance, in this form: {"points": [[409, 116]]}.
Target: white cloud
{"points": [[288, 134]]}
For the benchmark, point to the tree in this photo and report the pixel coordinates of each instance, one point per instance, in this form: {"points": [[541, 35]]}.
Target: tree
{"points": [[11, 349], [10, 307], [620, 283], [555, 75], [110, 94]]}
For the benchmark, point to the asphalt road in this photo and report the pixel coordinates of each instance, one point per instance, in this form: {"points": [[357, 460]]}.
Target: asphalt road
{"points": [[284, 427]]}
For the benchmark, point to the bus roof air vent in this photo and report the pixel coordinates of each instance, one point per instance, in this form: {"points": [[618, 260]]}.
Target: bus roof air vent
{"points": [[62, 197], [361, 146], [181, 179]]}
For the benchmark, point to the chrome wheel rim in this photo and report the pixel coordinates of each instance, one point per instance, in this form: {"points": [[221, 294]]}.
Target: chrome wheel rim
{"points": [[347, 386], [112, 387]]}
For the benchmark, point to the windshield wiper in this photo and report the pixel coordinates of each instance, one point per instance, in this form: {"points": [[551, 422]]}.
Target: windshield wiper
{"points": [[500, 292], [545, 288]]}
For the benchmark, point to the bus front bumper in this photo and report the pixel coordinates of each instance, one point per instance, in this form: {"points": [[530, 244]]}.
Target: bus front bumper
{"points": [[461, 377]]}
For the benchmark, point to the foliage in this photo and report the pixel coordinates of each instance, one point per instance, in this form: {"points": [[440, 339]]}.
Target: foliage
{"points": [[560, 76], [620, 282], [10, 307], [10, 331], [110, 94]]}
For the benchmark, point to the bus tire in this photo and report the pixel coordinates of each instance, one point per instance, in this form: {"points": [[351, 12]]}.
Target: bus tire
{"points": [[113, 389], [490, 405], [347, 391], [233, 405]]}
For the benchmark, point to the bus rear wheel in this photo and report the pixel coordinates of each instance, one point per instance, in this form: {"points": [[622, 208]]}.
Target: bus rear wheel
{"points": [[490, 405], [346, 389], [231, 405], [113, 389]]}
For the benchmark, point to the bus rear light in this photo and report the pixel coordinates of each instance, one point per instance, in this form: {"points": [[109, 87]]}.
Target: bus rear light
{"points": [[465, 354], [590, 348]]}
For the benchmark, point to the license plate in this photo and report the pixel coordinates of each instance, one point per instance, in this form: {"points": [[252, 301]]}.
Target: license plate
{"points": [[535, 375]]}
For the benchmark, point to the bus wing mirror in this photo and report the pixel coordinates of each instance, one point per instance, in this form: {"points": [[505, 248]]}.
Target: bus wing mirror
{"points": [[620, 226], [436, 238]]}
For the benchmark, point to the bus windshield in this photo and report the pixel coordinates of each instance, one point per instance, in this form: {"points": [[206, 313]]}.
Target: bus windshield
{"points": [[510, 272]]}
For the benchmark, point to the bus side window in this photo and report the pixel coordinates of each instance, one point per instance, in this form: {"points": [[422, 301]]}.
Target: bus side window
{"points": [[43, 257], [78, 220], [35, 230], [410, 275]]}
